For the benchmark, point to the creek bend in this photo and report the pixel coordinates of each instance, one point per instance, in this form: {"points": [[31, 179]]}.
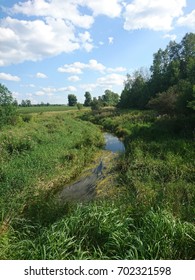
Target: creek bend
{"points": [[85, 188]]}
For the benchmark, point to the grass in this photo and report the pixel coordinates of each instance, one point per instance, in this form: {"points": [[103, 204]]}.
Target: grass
{"points": [[153, 219], [42, 109], [45, 153]]}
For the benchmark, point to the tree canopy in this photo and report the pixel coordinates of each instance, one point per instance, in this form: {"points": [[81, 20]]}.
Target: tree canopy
{"points": [[72, 100], [172, 79]]}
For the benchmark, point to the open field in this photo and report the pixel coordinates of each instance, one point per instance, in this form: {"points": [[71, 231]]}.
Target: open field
{"points": [[40, 109], [150, 216]]}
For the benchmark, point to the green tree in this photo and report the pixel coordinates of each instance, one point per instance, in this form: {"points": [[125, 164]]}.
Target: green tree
{"points": [[135, 93], [165, 102], [88, 99], [72, 100], [96, 104], [110, 98], [7, 106]]}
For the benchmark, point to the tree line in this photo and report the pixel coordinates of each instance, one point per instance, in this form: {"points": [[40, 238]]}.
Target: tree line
{"points": [[169, 87], [109, 98]]}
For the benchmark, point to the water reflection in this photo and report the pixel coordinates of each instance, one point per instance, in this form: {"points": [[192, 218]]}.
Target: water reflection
{"points": [[113, 143]]}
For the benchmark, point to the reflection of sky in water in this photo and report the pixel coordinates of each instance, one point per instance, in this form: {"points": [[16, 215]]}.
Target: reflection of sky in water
{"points": [[113, 143]]}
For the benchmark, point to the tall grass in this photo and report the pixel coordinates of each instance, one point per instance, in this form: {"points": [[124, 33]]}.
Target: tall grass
{"points": [[154, 219], [43, 154], [102, 230]]}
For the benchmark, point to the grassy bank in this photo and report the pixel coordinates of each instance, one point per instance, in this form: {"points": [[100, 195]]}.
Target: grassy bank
{"points": [[37, 158], [154, 219]]}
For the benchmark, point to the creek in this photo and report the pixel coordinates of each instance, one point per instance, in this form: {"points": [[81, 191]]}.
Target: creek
{"points": [[85, 188], [113, 143]]}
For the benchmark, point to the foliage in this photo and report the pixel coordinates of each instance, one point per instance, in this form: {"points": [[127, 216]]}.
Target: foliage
{"points": [[72, 100], [26, 103], [174, 100], [172, 69], [79, 106], [134, 94], [88, 99], [7, 106], [110, 98], [165, 102], [96, 104]]}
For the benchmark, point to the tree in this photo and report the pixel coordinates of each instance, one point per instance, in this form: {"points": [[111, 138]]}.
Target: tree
{"points": [[165, 102], [72, 100], [135, 93], [7, 106], [88, 99], [110, 98], [26, 103], [96, 104]]}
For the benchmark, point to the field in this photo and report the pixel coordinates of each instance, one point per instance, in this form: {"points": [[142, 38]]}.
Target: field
{"points": [[41, 109], [152, 219]]}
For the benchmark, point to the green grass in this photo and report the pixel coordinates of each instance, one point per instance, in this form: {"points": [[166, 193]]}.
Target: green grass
{"points": [[41, 109], [102, 230], [153, 219], [45, 153]]}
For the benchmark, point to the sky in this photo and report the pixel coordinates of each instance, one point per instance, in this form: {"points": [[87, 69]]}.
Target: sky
{"points": [[52, 48]]}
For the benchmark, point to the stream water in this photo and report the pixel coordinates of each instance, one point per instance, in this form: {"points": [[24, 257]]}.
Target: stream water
{"points": [[85, 188], [113, 143]]}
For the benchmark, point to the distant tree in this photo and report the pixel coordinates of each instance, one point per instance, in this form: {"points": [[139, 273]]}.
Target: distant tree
{"points": [[26, 103], [7, 106], [96, 104], [88, 99], [135, 93], [72, 100], [110, 98]]}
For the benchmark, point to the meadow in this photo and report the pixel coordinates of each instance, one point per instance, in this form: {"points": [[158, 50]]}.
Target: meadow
{"points": [[152, 219], [41, 109]]}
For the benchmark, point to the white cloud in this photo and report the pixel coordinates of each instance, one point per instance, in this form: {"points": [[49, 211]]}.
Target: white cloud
{"points": [[88, 87], [110, 40], [9, 77], [70, 69], [86, 41], [41, 75], [28, 85], [111, 8], [77, 67], [39, 93], [34, 40], [51, 90], [51, 28], [67, 10], [152, 14], [111, 80], [117, 69], [73, 78], [172, 37], [188, 20], [70, 88]]}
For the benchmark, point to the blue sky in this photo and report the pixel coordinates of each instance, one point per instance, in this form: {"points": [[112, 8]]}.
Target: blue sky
{"points": [[51, 48]]}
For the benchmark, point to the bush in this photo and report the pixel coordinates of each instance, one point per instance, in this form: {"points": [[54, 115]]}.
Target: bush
{"points": [[7, 107]]}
